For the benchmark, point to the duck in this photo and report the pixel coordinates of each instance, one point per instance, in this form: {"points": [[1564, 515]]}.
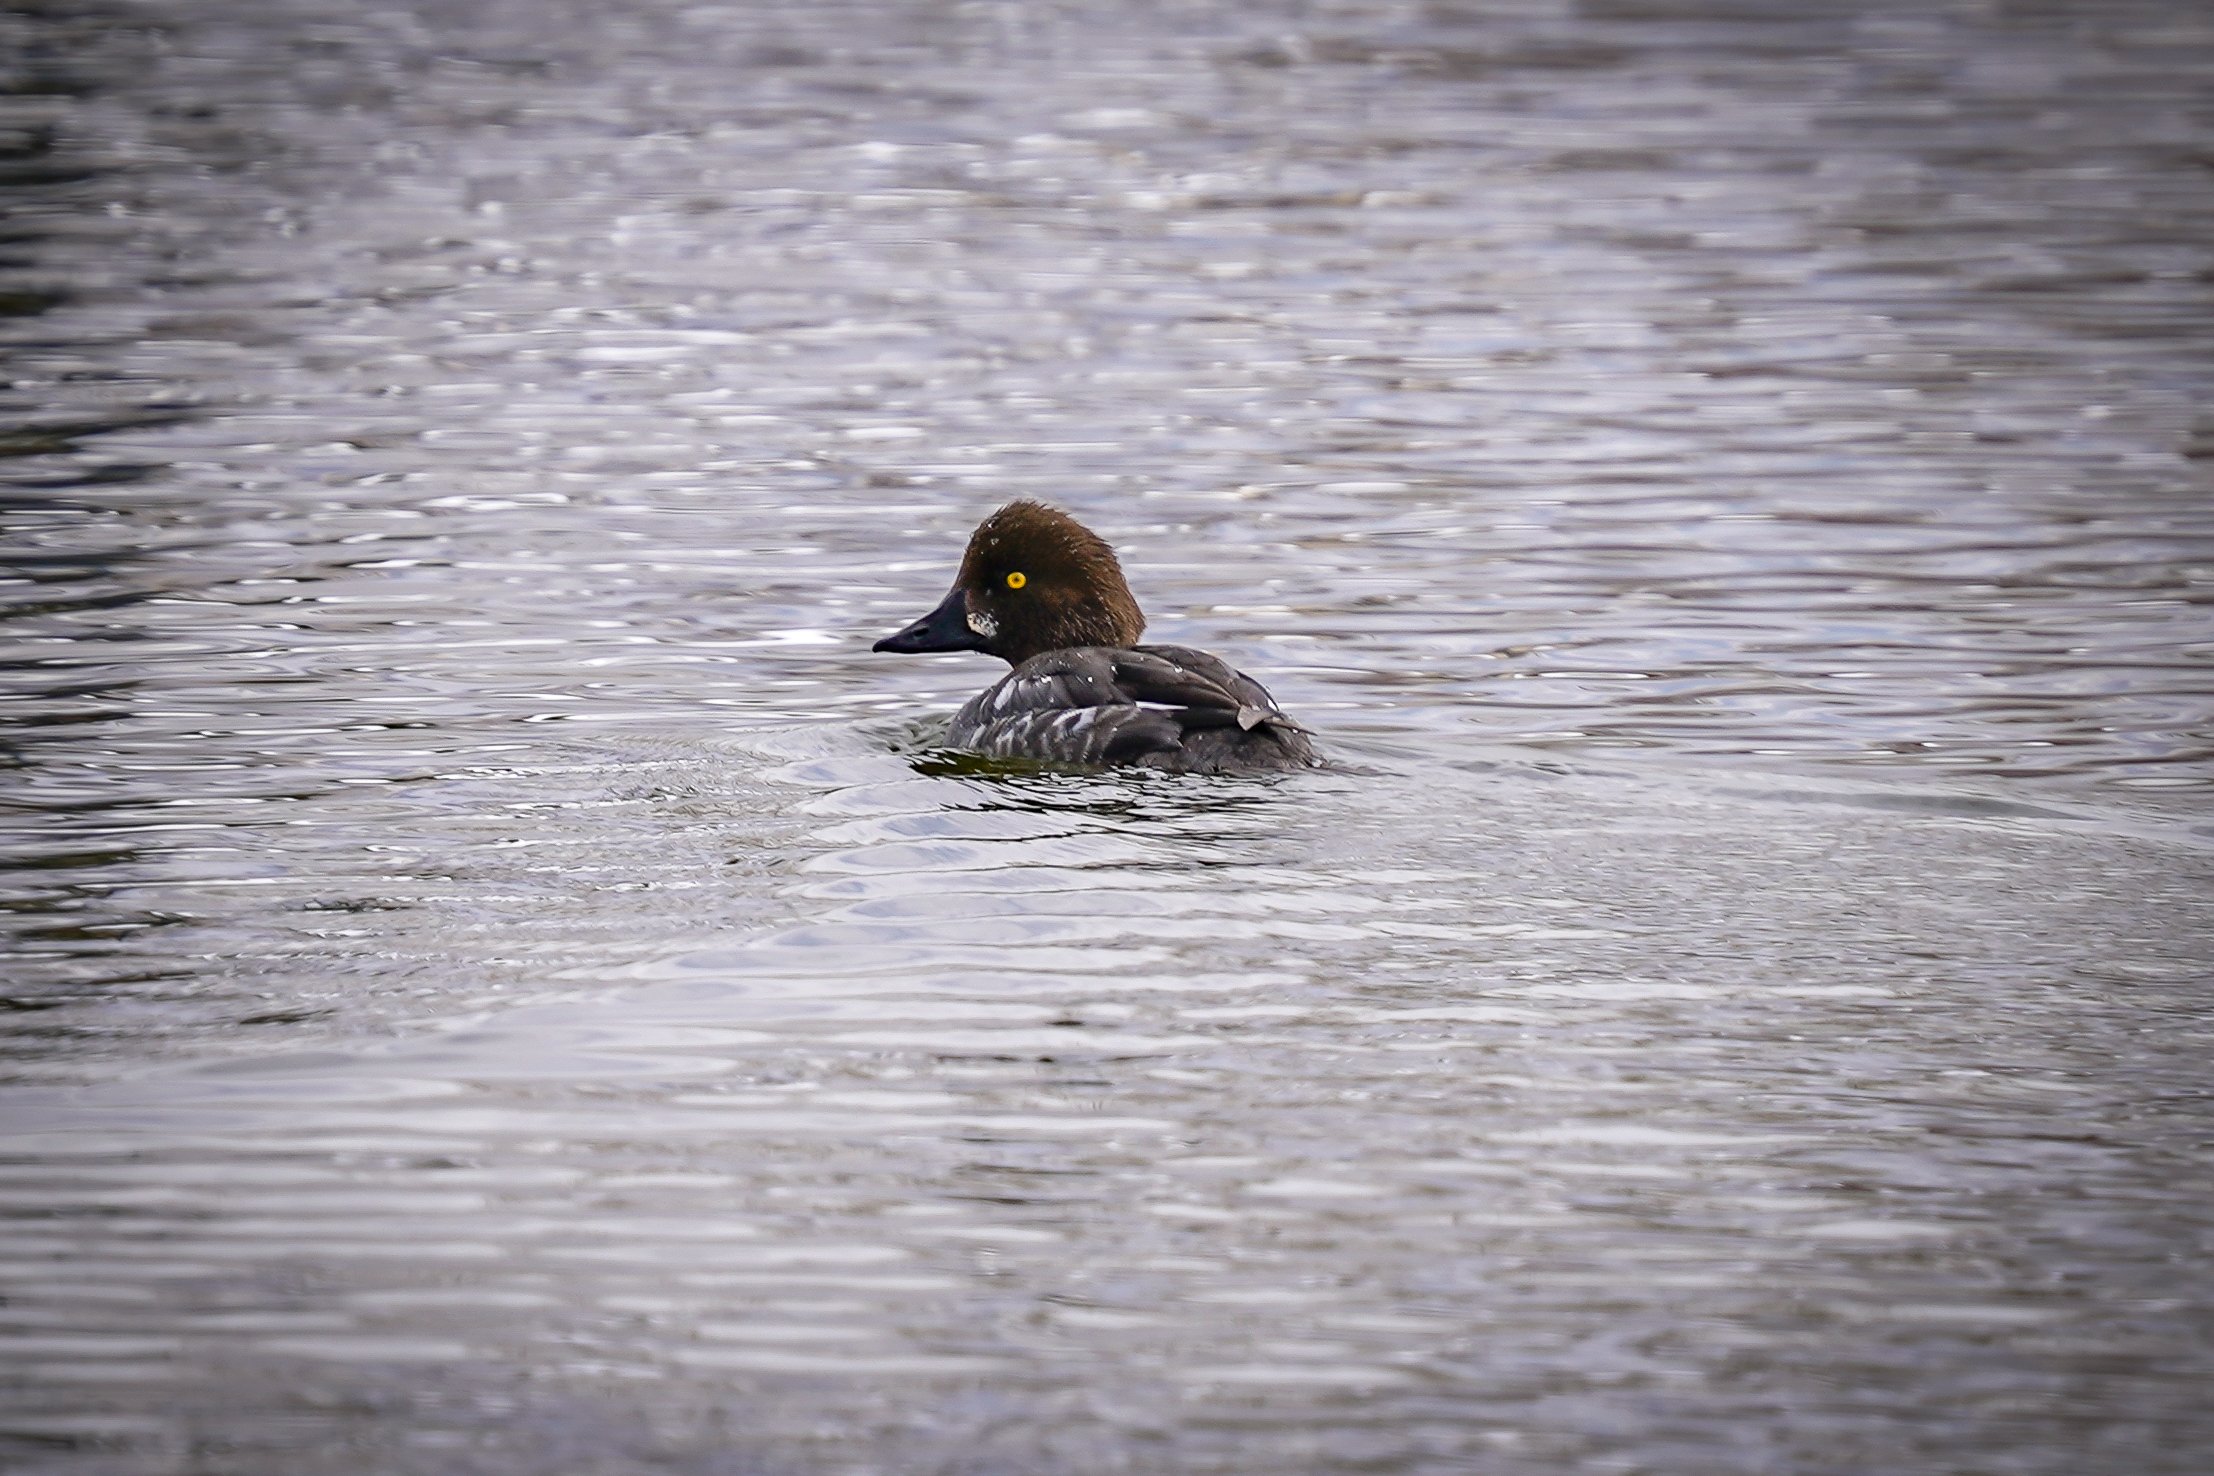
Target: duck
{"points": [[1045, 594]]}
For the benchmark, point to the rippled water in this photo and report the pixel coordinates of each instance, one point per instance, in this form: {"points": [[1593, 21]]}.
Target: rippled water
{"points": [[500, 980]]}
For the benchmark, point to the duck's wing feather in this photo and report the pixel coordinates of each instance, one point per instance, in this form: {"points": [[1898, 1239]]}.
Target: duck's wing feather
{"points": [[1210, 691], [1112, 704], [1064, 705]]}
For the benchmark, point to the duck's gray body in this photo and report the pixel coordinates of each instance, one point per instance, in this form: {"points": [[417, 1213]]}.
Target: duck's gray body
{"points": [[1162, 707]]}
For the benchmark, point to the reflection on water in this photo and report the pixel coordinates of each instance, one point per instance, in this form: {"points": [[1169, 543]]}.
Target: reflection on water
{"points": [[500, 979]]}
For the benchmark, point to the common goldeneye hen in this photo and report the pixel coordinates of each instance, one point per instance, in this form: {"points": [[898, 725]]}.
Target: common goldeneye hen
{"points": [[1043, 593]]}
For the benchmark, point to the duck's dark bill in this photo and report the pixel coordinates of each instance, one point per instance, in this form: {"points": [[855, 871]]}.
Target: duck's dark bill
{"points": [[943, 629]]}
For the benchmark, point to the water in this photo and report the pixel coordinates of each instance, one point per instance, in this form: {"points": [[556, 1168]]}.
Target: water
{"points": [[500, 979]]}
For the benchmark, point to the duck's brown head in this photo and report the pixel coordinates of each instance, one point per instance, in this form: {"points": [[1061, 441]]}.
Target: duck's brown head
{"points": [[1033, 580]]}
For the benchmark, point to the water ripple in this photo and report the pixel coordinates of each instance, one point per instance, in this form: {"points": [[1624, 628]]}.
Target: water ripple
{"points": [[499, 977]]}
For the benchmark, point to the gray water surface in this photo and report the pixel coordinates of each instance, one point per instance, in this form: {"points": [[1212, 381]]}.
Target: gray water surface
{"points": [[501, 979]]}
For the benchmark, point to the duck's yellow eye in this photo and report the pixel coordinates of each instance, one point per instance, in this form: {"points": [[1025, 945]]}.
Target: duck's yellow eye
{"points": [[1017, 579]]}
